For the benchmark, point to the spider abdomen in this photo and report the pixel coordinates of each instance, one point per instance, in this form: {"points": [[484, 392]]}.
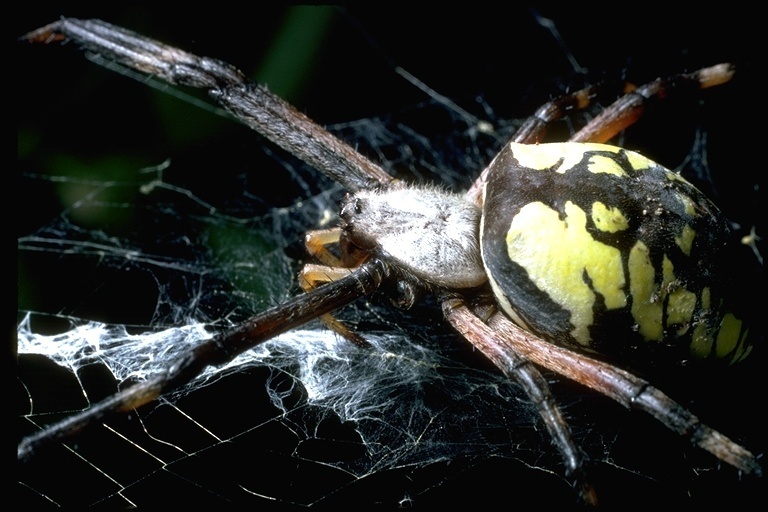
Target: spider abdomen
{"points": [[600, 248]]}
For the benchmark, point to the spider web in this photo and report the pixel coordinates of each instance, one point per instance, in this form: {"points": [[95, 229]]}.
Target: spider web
{"points": [[153, 224]]}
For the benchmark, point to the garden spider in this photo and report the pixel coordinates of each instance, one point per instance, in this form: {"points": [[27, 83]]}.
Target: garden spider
{"points": [[360, 180]]}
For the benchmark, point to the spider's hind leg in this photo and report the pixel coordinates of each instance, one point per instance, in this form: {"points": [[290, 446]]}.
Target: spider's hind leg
{"points": [[626, 110], [619, 115], [475, 330]]}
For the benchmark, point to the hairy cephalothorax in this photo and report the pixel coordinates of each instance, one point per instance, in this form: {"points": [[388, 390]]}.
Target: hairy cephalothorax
{"points": [[432, 234]]}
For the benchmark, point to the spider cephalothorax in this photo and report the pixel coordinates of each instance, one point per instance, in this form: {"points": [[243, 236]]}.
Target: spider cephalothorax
{"points": [[427, 232]]}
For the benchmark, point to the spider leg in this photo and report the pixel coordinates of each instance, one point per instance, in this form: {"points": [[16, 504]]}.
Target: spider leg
{"points": [[618, 116], [317, 242], [332, 268], [535, 127], [627, 110], [627, 389], [252, 104], [216, 351], [517, 367], [310, 277]]}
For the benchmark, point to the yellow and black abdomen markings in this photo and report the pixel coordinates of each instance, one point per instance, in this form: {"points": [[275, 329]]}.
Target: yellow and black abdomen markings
{"points": [[600, 248]]}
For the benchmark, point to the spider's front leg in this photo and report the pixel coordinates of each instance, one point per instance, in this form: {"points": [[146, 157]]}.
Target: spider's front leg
{"points": [[333, 268], [252, 104]]}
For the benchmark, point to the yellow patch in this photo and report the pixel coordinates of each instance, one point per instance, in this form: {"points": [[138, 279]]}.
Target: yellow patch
{"points": [[730, 341], [599, 164], [702, 341], [545, 156], [688, 204], [646, 301], [685, 241], [609, 220], [534, 156], [681, 303], [729, 336], [638, 161], [538, 241]]}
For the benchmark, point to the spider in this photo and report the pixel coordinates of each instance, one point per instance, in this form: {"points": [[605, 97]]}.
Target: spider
{"points": [[358, 175]]}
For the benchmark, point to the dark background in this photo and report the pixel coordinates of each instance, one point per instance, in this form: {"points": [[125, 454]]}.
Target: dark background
{"points": [[73, 116]]}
